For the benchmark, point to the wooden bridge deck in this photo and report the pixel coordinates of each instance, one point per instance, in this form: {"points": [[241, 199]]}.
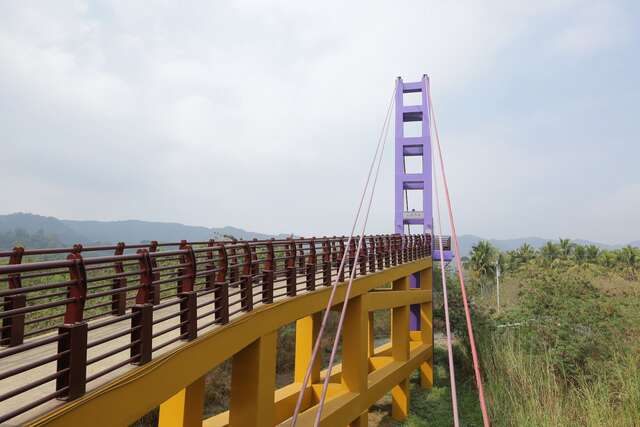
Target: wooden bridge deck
{"points": [[40, 352]]}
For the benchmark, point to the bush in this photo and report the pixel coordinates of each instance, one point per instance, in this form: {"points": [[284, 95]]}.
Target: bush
{"points": [[562, 314]]}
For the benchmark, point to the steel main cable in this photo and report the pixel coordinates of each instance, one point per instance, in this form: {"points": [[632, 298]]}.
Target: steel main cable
{"points": [[456, 247], [445, 299], [336, 337], [325, 316]]}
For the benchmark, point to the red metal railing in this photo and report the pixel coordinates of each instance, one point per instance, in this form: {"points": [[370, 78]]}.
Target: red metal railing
{"points": [[72, 316]]}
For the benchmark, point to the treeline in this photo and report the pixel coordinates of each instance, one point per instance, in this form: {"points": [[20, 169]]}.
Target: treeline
{"points": [[485, 258], [20, 237]]}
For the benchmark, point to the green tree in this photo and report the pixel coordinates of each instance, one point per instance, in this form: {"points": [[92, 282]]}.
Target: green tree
{"points": [[629, 260], [592, 253], [607, 259], [580, 254], [550, 251], [482, 262], [566, 248], [524, 253]]}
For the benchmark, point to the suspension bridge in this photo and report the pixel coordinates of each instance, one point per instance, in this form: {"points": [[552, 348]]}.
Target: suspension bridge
{"points": [[101, 335]]}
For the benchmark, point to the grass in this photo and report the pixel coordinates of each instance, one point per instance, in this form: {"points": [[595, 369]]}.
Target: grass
{"points": [[576, 364], [524, 390], [432, 408]]}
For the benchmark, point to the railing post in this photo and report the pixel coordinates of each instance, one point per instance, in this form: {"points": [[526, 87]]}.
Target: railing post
{"points": [[119, 300], [405, 248], [334, 254], [154, 287], [221, 288], [188, 295], [362, 257], [379, 252], [326, 262], [13, 326], [268, 274], [372, 253], [77, 291], [142, 320], [73, 364], [412, 247], [393, 242], [340, 258], [145, 290], [387, 251], [210, 279], [291, 269], [255, 265], [234, 273], [72, 343], [311, 266], [352, 254], [141, 333], [300, 257], [246, 281]]}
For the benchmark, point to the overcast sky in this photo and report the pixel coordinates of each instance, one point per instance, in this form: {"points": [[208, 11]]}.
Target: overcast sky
{"points": [[264, 114]]}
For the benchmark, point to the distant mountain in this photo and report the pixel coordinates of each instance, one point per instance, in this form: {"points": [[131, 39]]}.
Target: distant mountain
{"points": [[133, 231], [53, 230], [467, 241], [32, 224]]}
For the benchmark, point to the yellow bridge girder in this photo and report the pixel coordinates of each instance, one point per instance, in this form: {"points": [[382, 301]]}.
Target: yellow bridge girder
{"points": [[175, 380]]}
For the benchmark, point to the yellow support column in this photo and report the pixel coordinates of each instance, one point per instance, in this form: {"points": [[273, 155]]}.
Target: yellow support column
{"points": [[426, 322], [306, 333], [253, 380], [372, 343], [400, 352], [400, 401], [361, 421], [184, 409], [355, 361]]}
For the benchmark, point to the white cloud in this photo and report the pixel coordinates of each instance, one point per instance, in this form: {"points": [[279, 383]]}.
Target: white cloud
{"points": [[261, 115]]}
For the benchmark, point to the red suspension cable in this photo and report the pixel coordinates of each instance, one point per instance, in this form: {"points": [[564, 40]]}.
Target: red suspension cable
{"points": [[474, 353]]}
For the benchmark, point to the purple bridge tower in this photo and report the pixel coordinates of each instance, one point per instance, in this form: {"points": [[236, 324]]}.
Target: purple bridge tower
{"points": [[413, 182]]}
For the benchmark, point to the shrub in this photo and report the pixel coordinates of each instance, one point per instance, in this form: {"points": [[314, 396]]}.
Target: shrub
{"points": [[563, 314]]}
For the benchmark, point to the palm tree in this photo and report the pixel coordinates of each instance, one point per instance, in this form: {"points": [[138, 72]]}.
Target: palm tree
{"points": [[607, 259], [592, 252], [566, 248], [580, 254], [550, 251], [482, 261], [526, 252], [629, 258]]}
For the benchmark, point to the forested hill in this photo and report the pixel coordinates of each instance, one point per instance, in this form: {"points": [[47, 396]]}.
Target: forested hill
{"points": [[35, 230], [41, 231]]}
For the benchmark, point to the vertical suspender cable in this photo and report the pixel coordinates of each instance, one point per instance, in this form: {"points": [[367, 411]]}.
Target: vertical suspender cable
{"points": [[336, 337], [316, 346], [474, 353], [445, 299]]}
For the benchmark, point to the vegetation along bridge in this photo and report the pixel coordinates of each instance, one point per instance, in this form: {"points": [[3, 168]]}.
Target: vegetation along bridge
{"points": [[101, 335]]}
